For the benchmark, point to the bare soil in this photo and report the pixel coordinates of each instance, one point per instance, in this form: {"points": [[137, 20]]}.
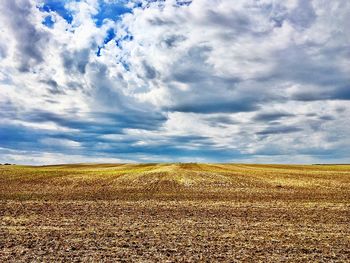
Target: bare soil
{"points": [[175, 213]]}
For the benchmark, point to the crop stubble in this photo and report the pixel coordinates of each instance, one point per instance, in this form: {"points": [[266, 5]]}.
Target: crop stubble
{"points": [[175, 212]]}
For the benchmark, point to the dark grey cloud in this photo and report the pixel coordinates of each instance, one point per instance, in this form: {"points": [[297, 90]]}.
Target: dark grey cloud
{"points": [[3, 51], [180, 139], [317, 74], [276, 12], [150, 72], [75, 85], [157, 21], [30, 41], [238, 22], [328, 93], [280, 129], [53, 86], [214, 107], [271, 116], [76, 61], [101, 123], [327, 118], [8, 110], [219, 120], [207, 92], [295, 64], [30, 139], [173, 40], [303, 15]]}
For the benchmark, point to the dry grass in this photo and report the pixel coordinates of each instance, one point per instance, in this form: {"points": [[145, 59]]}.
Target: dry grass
{"points": [[175, 212]]}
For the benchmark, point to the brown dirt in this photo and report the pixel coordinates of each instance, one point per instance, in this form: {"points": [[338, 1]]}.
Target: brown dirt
{"points": [[175, 213]]}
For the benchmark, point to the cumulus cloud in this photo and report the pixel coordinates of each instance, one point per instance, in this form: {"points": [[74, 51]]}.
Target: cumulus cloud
{"points": [[29, 41], [175, 80]]}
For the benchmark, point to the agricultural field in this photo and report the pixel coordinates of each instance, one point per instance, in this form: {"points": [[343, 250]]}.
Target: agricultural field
{"points": [[175, 213]]}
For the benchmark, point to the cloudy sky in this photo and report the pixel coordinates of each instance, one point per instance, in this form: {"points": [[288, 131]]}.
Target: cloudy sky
{"points": [[175, 80]]}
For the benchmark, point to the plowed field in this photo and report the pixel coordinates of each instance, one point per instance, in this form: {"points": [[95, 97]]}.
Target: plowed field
{"points": [[175, 213]]}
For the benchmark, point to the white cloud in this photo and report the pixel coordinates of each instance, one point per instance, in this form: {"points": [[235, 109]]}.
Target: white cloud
{"points": [[60, 142], [253, 78]]}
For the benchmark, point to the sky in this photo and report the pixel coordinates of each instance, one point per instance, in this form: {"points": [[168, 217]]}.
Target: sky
{"points": [[257, 81]]}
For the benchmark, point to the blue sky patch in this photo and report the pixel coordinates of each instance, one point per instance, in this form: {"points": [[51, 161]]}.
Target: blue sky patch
{"points": [[111, 11], [48, 21], [57, 6], [119, 41], [110, 35], [98, 52]]}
